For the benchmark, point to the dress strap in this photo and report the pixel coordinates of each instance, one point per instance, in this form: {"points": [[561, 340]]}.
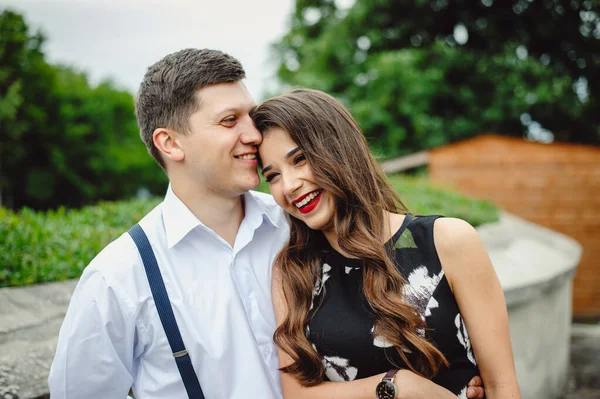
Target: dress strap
{"points": [[407, 219]]}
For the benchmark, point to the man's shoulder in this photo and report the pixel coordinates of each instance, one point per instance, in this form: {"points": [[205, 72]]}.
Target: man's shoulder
{"points": [[116, 261], [120, 262]]}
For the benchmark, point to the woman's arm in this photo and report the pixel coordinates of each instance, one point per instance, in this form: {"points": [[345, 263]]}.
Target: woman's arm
{"points": [[408, 384], [480, 298]]}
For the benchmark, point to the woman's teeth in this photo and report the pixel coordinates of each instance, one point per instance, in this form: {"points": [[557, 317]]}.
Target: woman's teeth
{"points": [[247, 156], [308, 198]]}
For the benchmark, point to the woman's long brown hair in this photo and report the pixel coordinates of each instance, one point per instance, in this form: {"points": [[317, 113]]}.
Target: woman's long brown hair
{"points": [[341, 162]]}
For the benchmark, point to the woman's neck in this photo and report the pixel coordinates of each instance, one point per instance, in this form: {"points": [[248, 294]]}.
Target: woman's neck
{"points": [[332, 239]]}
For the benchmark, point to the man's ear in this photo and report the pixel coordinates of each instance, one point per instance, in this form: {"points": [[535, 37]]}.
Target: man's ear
{"points": [[165, 141]]}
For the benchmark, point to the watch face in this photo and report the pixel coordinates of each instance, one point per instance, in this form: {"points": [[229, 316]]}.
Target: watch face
{"points": [[386, 390]]}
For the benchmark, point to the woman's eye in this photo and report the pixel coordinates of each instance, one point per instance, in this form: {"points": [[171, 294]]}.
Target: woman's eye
{"points": [[299, 159], [270, 177]]}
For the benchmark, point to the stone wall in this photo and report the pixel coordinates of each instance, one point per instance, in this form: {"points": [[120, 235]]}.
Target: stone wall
{"points": [[535, 266]]}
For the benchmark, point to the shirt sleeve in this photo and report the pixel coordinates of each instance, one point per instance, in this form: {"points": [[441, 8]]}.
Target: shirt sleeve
{"points": [[95, 353]]}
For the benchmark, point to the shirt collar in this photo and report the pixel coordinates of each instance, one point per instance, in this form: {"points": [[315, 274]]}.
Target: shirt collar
{"points": [[254, 205], [179, 220]]}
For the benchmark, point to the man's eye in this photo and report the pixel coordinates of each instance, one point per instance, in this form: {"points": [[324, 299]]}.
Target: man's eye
{"points": [[229, 121]]}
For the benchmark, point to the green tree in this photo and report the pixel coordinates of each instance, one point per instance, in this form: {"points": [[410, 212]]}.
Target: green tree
{"points": [[422, 73], [62, 141], [23, 75]]}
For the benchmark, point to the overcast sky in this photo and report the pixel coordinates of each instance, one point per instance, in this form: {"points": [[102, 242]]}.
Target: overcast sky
{"points": [[121, 38]]}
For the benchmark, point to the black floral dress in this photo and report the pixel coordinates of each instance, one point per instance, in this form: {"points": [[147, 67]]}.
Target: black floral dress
{"points": [[341, 321]]}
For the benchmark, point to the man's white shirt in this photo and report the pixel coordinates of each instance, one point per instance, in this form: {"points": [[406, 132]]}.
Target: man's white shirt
{"points": [[112, 337]]}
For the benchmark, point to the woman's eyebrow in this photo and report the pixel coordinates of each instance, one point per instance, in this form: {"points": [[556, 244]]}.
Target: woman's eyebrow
{"points": [[291, 153], [266, 169], [287, 156]]}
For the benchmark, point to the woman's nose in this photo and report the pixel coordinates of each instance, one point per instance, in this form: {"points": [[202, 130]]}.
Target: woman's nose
{"points": [[291, 185]]}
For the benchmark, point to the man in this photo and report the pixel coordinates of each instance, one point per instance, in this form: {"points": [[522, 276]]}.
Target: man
{"points": [[214, 241]]}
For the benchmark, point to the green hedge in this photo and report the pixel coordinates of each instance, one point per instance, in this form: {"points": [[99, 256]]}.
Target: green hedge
{"points": [[37, 247], [421, 197]]}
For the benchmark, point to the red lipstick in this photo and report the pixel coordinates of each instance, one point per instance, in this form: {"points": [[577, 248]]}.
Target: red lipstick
{"points": [[311, 205]]}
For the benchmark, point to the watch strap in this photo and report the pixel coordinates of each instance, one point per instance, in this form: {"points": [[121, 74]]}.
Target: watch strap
{"points": [[389, 376]]}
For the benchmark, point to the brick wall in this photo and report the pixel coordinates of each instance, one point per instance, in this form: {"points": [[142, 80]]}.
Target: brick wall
{"points": [[554, 185]]}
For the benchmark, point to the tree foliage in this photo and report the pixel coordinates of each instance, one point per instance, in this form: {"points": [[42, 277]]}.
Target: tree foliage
{"points": [[417, 74], [62, 140]]}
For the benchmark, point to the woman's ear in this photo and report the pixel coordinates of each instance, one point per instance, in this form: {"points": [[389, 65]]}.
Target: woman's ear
{"points": [[166, 142]]}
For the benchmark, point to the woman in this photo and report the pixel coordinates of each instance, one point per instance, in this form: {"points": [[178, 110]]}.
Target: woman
{"points": [[364, 292]]}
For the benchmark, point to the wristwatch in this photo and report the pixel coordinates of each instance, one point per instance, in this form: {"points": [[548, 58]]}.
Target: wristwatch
{"points": [[386, 388]]}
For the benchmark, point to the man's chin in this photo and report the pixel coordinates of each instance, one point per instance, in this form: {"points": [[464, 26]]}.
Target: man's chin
{"points": [[251, 183], [255, 185]]}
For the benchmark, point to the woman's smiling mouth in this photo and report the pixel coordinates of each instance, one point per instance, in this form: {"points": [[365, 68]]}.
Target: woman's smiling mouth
{"points": [[308, 202]]}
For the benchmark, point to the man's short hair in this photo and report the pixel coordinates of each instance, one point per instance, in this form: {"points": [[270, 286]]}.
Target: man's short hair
{"points": [[166, 97]]}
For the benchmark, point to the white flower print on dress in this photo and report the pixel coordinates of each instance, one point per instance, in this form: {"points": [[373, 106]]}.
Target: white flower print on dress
{"points": [[432, 304], [463, 393], [339, 369], [380, 342], [348, 269], [463, 337], [419, 290], [320, 283]]}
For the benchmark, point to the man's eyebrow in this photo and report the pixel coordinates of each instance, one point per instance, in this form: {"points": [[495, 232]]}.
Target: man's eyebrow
{"points": [[291, 153], [266, 169], [231, 110], [236, 110]]}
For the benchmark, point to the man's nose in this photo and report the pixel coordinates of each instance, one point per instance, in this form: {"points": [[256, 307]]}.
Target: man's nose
{"points": [[250, 134]]}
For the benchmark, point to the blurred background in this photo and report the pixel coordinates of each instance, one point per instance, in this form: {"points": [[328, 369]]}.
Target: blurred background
{"points": [[475, 108]]}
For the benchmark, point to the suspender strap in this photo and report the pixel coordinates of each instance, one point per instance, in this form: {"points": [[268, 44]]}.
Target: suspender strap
{"points": [[165, 312]]}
